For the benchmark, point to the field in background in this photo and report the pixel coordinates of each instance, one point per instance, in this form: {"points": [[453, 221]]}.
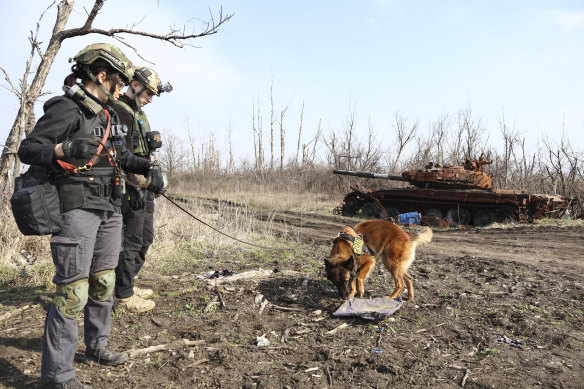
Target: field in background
{"points": [[180, 238]]}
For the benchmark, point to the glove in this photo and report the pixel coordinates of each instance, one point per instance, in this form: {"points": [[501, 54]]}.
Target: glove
{"points": [[136, 198], [81, 148], [157, 184]]}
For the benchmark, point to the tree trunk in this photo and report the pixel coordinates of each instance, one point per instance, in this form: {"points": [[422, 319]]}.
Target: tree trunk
{"points": [[25, 120]]}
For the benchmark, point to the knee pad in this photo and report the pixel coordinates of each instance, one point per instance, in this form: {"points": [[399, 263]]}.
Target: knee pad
{"points": [[71, 297], [101, 285]]}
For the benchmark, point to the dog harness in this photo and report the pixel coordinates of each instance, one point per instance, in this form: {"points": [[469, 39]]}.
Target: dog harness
{"points": [[355, 240]]}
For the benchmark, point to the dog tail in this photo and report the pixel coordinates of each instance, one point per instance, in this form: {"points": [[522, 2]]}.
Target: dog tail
{"points": [[424, 237]]}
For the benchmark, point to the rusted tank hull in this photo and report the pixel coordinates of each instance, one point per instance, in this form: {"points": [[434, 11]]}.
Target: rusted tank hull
{"points": [[458, 207]]}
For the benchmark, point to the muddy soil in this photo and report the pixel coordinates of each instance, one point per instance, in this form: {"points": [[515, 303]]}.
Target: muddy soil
{"points": [[494, 308]]}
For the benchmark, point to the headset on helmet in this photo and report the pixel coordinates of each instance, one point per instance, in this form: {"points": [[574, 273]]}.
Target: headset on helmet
{"points": [[148, 77]]}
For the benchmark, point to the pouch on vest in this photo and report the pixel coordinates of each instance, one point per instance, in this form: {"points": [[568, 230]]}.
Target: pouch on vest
{"points": [[36, 205]]}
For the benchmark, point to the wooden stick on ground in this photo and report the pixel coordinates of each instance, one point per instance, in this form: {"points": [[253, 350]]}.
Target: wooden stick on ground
{"points": [[167, 346], [17, 311], [464, 378], [263, 306], [285, 308], [335, 330]]}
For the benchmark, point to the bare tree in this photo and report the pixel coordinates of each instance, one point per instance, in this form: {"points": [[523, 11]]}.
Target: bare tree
{"points": [[300, 135], [172, 155], [27, 93], [308, 156], [347, 152], [254, 131], [192, 144], [282, 136], [231, 164], [258, 136], [272, 121], [404, 136]]}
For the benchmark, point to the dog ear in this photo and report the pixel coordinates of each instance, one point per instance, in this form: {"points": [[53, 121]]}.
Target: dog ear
{"points": [[349, 264]]}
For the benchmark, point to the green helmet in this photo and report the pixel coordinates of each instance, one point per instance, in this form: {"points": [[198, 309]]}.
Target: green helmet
{"points": [[148, 77], [110, 54]]}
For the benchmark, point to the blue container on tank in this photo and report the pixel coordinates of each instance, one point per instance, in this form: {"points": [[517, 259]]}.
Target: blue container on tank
{"points": [[410, 218]]}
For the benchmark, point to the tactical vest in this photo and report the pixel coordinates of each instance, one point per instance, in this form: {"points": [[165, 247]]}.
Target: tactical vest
{"points": [[95, 188], [140, 128]]}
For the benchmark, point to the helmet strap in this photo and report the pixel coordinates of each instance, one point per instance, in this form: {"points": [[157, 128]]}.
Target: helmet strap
{"points": [[110, 97], [137, 94]]}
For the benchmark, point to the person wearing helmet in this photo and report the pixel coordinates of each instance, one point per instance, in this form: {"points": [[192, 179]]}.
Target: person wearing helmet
{"points": [[78, 145], [137, 205]]}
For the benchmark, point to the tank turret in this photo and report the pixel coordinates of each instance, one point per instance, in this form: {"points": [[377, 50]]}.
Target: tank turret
{"points": [[467, 176]]}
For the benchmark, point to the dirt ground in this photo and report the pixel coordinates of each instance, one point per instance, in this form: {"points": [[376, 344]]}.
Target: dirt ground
{"points": [[494, 308]]}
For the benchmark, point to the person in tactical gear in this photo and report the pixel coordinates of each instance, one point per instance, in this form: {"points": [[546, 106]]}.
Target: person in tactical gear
{"points": [[79, 142], [138, 204]]}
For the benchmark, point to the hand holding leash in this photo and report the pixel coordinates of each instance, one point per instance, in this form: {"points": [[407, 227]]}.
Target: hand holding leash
{"points": [[157, 183]]}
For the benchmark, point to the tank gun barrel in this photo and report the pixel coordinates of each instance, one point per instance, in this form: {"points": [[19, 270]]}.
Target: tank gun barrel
{"points": [[369, 175]]}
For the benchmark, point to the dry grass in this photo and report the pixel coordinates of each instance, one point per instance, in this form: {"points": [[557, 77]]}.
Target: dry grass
{"points": [[307, 191], [181, 240]]}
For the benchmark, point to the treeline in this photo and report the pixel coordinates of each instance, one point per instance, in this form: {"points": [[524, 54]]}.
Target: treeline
{"points": [[554, 167]]}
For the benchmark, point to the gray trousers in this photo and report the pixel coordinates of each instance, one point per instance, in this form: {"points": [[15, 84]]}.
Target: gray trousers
{"points": [[138, 236], [89, 243]]}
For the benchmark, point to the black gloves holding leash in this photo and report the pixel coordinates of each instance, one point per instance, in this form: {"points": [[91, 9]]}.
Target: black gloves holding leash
{"points": [[137, 196], [157, 184], [82, 148]]}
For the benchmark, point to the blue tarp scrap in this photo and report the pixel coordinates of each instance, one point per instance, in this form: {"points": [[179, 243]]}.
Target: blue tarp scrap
{"points": [[371, 309]]}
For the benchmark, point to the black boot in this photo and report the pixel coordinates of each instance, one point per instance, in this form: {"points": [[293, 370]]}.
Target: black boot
{"points": [[70, 384], [106, 356]]}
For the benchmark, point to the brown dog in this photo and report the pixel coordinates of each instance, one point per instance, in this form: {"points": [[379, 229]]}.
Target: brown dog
{"points": [[387, 242]]}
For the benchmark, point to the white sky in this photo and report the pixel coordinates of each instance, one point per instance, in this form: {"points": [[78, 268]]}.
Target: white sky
{"points": [[421, 58]]}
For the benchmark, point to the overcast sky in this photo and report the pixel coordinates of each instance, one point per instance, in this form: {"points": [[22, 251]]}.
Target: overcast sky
{"points": [[423, 59]]}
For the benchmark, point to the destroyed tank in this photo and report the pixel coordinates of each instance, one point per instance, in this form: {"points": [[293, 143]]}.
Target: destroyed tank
{"points": [[450, 194]]}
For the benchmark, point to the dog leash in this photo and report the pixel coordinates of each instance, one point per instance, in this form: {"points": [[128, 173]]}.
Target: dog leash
{"points": [[227, 235]]}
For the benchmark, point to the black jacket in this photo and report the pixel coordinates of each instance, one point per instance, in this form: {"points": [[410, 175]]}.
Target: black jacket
{"points": [[93, 189]]}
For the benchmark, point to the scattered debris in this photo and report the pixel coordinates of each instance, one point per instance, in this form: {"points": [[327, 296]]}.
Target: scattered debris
{"points": [[509, 341], [286, 308], [262, 341], [215, 274], [335, 330], [252, 274], [16, 312], [196, 363], [464, 378], [263, 306], [211, 304], [258, 299]]}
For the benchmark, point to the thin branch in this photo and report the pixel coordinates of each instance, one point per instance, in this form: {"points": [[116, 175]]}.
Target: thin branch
{"points": [[174, 37], [12, 87], [92, 15]]}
